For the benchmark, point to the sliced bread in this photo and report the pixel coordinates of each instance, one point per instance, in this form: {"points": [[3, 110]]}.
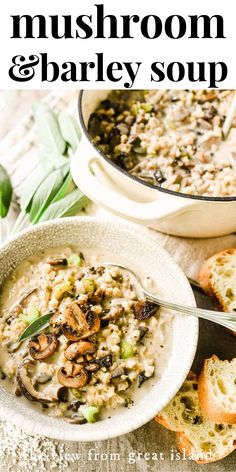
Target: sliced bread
{"points": [[218, 278], [217, 390], [198, 437]]}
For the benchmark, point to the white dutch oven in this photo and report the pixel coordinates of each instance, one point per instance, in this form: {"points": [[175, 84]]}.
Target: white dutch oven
{"points": [[131, 198]]}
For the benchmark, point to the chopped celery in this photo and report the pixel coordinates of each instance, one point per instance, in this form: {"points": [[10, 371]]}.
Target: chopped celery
{"points": [[74, 260], [126, 350], [31, 315], [89, 284], [59, 290], [147, 107], [90, 413], [76, 392]]}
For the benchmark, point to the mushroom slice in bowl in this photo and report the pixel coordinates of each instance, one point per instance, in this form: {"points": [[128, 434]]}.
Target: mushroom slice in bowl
{"points": [[73, 376], [144, 309], [27, 388], [42, 346], [79, 348], [78, 325]]}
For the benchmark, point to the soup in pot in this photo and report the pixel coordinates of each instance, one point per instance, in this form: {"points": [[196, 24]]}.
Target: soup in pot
{"points": [[170, 138]]}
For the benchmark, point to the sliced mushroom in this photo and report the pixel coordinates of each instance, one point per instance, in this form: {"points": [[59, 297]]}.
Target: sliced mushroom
{"points": [[13, 347], [42, 346], [17, 392], [80, 360], [96, 297], [60, 262], [122, 386], [118, 372], [143, 330], [72, 376], [92, 367], [74, 405], [2, 374], [78, 325], [79, 348], [113, 314], [77, 418], [144, 309], [142, 378], [26, 387], [62, 394], [42, 378], [16, 309], [105, 361]]}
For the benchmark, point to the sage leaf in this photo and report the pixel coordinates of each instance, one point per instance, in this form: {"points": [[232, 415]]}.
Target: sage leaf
{"points": [[70, 205], [50, 139], [46, 192], [69, 129], [55, 159], [35, 327], [67, 187], [32, 184], [5, 192]]}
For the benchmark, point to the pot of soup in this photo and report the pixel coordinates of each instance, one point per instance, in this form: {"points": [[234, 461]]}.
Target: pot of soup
{"points": [[157, 157]]}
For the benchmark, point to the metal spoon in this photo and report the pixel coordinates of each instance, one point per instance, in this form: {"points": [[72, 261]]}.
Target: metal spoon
{"points": [[228, 320], [20, 302], [229, 118]]}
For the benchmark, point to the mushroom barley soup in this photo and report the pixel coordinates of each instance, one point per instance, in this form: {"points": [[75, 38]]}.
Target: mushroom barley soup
{"points": [[102, 347], [170, 138]]}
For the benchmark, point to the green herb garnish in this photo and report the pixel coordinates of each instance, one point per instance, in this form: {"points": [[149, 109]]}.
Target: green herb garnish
{"points": [[49, 191], [69, 129], [35, 327], [5, 192]]}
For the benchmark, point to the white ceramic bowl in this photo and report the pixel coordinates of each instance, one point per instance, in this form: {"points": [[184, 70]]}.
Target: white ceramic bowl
{"points": [[142, 252]]}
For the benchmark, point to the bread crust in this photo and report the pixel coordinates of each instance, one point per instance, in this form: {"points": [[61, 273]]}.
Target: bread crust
{"points": [[184, 444], [209, 406], [204, 277], [205, 282]]}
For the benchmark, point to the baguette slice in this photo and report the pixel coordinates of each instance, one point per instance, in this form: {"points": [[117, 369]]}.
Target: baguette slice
{"points": [[198, 437], [217, 390], [217, 278]]}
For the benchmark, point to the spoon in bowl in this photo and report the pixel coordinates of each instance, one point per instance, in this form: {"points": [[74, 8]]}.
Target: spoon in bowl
{"points": [[229, 118], [228, 320]]}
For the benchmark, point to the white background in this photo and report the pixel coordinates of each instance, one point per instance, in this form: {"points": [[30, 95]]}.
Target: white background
{"points": [[143, 50]]}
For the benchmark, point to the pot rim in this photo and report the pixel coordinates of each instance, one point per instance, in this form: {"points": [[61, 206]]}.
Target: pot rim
{"points": [[137, 179]]}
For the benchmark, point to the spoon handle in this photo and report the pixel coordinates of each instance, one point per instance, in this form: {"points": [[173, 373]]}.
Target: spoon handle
{"points": [[229, 118], [228, 320]]}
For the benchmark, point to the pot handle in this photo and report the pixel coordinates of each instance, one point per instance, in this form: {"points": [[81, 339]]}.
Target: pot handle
{"points": [[86, 170]]}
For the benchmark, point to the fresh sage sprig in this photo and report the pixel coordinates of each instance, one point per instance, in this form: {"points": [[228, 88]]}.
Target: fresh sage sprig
{"points": [[69, 129], [47, 128], [46, 192], [5, 192], [35, 327], [70, 205], [49, 191]]}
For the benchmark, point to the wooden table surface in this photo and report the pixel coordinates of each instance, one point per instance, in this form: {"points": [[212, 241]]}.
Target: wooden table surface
{"points": [[151, 438]]}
